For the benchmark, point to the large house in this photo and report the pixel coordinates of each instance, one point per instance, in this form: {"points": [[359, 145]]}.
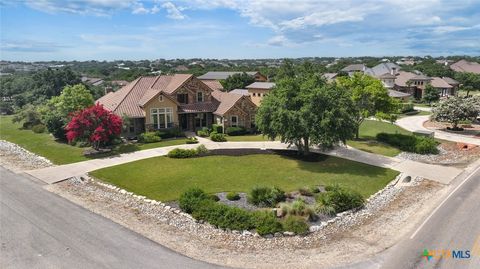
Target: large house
{"points": [[177, 101], [256, 91], [466, 66]]}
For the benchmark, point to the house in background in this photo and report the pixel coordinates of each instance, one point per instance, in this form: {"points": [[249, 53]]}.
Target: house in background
{"points": [[466, 66], [177, 101], [213, 78]]}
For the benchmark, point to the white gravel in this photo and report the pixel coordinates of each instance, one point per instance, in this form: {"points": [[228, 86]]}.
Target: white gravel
{"points": [[15, 156]]}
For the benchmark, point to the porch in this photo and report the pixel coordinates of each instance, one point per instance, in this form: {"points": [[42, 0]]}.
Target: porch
{"points": [[195, 121]]}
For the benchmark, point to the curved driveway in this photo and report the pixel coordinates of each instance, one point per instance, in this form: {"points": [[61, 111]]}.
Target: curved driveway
{"points": [[415, 123]]}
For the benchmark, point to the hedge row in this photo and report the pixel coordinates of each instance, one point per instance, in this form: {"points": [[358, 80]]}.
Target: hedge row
{"points": [[410, 143]]}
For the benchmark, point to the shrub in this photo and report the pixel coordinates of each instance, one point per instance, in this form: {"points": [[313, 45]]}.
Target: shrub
{"points": [[218, 137], [179, 153], [341, 199], [173, 132], [406, 107], [233, 196], [202, 150], [266, 197], [410, 143], [326, 210], [149, 137], [233, 131], [298, 208], [223, 216], [56, 126], [192, 140], [39, 128], [190, 199], [295, 224], [266, 222], [305, 191], [217, 128], [314, 189], [214, 197]]}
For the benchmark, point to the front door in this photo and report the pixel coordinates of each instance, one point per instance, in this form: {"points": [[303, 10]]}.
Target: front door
{"points": [[184, 121], [200, 120]]}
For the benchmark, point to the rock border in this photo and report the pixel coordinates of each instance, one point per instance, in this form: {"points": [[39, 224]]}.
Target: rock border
{"points": [[34, 160]]}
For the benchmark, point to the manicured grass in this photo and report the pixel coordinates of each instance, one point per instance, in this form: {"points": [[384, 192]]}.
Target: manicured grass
{"points": [[164, 178], [62, 153], [247, 138], [420, 113], [368, 132]]}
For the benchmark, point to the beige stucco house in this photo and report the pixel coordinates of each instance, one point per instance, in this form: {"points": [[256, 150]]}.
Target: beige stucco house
{"points": [[177, 101]]}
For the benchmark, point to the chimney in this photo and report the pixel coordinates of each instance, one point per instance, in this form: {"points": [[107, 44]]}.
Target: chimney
{"points": [[393, 71], [108, 89], [364, 68]]}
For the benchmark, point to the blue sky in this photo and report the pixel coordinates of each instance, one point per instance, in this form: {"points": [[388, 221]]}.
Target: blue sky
{"points": [[133, 29]]}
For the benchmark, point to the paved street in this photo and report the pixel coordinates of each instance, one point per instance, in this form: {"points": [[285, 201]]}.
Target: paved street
{"points": [[39, 229]]}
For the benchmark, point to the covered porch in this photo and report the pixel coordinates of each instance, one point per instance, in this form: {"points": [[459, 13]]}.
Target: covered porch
{"points": [[195, 121]]}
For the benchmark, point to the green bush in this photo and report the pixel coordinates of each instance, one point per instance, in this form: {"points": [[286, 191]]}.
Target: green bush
{"points": [[295, 224], [56, 126], [298, 208], [265, 196], [233, 131], [216, 137], [223, 216], [233, 196], [169, 133], [179, 153], [217, 128], [39, 128], [406, 107], [202, 150], [305, 191], [149, 137], [192, 140], [190, 199], [314, 189], [340, 199], [214, 197], [266, 222], [410, 143]]}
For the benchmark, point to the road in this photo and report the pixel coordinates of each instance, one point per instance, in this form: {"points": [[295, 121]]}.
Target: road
{"points": [[454, 225], [39, 229]]}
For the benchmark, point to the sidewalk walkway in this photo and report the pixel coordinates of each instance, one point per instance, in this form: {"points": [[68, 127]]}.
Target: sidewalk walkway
{"points": [[438, 173], [415, 123]]}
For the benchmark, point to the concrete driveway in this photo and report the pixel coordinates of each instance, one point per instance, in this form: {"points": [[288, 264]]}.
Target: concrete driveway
{"points": [[39, 229], [415, 123]]}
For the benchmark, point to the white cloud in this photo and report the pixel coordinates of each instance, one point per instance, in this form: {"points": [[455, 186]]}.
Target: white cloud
{"points": [[83, 7], [172, 11]]}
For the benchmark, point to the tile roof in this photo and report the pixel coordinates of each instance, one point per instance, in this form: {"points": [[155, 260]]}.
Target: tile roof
{"points": [[261, 85], [466, 66], [198, 107], [213, 84], [387, 76], [226, 101], [397, 94], [440, 83], [451, 81], [240, 91], [223, 75], [403, 77], [330, 76], [354, 67]]}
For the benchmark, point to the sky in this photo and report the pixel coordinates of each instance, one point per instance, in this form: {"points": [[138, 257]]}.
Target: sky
{"points": [[41, 30]]}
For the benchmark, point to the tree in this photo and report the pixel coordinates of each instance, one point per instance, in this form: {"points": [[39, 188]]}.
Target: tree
{"points": [[237, 81], [469, 81], [29, 115], [430, 94], [95, 125], [58, 110], [304, 110], [455, 109], [369, 97]]}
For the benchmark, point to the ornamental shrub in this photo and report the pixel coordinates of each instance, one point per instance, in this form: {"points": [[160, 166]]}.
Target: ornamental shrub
{"points": [[295, 224], [39, 128], [179, 153], [233, 196], [426, 145], [266, 222], [217, 128], [216, 137], [190, 199], [266, 197], [298, 208], [223, 216], [192, 140], [202, 150], [341, 199], [410, 143], [149, 137], [233, 131]]}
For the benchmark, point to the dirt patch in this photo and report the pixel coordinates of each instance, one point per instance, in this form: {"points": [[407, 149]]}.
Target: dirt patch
{"points": [[332, 246], [468, 129]]}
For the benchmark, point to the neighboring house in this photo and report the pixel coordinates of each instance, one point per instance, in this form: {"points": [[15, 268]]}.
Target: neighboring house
{"points": [[92, 81], [353, 68], [466, 66], [443, 87], [330, 76], [177, 101], [399, 95], [258, 90], [213, 78]]}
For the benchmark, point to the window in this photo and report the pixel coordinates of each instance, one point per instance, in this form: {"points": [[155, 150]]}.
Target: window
{"points": [[200, 120], [182, 98], [234, 120], [199, 96], [162, 118], [254, 94], [160, 98]]}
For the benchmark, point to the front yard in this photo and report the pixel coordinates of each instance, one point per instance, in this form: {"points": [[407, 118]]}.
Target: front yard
{"points": [[164, 178], [44, 145]]}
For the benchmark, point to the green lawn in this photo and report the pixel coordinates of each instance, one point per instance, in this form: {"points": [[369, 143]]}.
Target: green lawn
{"points": [[62, 153], [247, 138], [368, 132], [420, 113], [164, 178]]}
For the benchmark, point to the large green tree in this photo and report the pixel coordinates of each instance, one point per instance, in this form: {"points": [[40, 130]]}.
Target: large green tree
{"points": [[469, 81], [303, 110], [370, 98], [430, 94], [456, 109], [58, 110], [237, 81]]}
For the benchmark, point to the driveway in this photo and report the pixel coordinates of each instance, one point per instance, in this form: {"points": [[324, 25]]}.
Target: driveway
{"points": [[415, 123], [39, 229], [438, 173]]}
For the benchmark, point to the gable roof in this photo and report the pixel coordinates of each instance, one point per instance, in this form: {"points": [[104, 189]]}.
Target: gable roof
{"points": [[213, 84], [397, 94], [384, 68], [218, 75], [354, 67], [466, 66], [261, 85], [240, 91], [451, 81], [403, 77], [439, 83], [226, 101]]}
